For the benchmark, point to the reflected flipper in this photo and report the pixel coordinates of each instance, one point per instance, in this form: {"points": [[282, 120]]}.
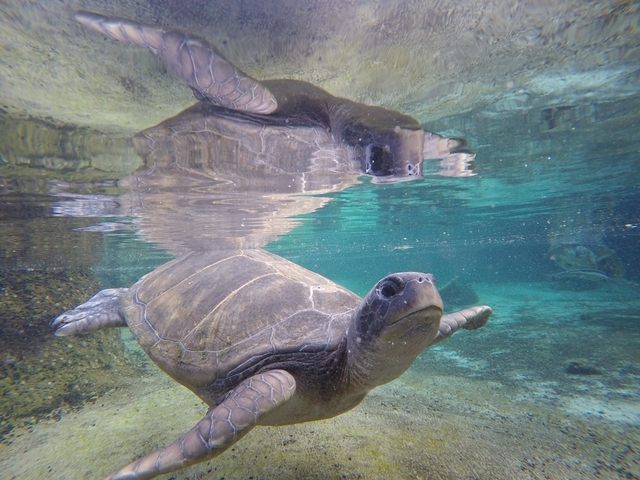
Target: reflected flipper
{"points": [[454, 161], [199, 64]]}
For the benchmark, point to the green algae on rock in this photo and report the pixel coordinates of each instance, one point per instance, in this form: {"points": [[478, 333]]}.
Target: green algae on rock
{"points": [[37, 375]]}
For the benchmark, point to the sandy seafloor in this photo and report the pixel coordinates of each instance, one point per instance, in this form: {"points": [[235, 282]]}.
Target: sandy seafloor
{"points": [[495, 403]]}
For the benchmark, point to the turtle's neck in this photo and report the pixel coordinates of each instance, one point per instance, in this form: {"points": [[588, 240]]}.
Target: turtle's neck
{"points": [[373, 362]]}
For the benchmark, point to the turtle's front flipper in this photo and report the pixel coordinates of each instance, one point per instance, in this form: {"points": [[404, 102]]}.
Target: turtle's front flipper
{"points": [[103, 310], [453, 160], [199, 64], [223, 426], [469, 319]]}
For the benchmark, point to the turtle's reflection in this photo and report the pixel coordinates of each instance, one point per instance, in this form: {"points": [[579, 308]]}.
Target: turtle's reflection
{"points": [[235, 181], [251, 147], [212, 181]]}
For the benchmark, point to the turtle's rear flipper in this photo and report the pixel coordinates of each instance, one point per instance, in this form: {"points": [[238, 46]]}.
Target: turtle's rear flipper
{"points": [[469, 319], [199, 64], [100, 311], [223, 426]]}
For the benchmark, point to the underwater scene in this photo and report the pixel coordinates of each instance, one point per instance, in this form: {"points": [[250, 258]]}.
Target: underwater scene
{"points": [[400, 239]]}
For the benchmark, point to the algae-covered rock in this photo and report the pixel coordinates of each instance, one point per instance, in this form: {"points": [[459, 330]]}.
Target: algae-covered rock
{"points": [[39, 373]]}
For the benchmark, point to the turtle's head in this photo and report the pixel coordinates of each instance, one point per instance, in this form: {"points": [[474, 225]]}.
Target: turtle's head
{"points": [[395, 155], [388, 145], [397, 320]]}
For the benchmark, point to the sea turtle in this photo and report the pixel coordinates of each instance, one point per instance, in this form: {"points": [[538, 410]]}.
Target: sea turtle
{"points": [[384, 143], [264, 341]]}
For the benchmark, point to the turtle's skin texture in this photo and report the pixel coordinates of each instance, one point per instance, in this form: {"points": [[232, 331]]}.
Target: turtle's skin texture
{"points": [[264, 341], [386, 144]]}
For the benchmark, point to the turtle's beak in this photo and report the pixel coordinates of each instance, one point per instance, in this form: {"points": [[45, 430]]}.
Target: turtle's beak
{"points": [[430, 314], [424, 321]]}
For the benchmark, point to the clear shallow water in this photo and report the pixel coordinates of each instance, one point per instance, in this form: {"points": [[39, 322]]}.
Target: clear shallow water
{"points": [[548, 389], [537, 187]]}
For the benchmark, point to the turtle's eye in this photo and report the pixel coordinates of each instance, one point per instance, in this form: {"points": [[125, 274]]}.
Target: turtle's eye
{"points": [[389, 288]]}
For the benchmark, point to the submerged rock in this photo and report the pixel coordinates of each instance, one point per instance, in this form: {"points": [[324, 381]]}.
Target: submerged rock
{"points": [[458, 293], [586, 266]]}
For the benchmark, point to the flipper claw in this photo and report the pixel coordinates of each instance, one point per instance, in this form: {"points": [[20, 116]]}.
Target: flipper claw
{"points": [[100, 311]]}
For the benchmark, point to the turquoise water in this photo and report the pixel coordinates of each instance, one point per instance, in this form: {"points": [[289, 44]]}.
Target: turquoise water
{"points": [[537, 187], [547, 233]]}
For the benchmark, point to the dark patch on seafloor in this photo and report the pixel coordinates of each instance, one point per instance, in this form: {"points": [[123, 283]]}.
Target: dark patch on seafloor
{"points": [[581, 366]]}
